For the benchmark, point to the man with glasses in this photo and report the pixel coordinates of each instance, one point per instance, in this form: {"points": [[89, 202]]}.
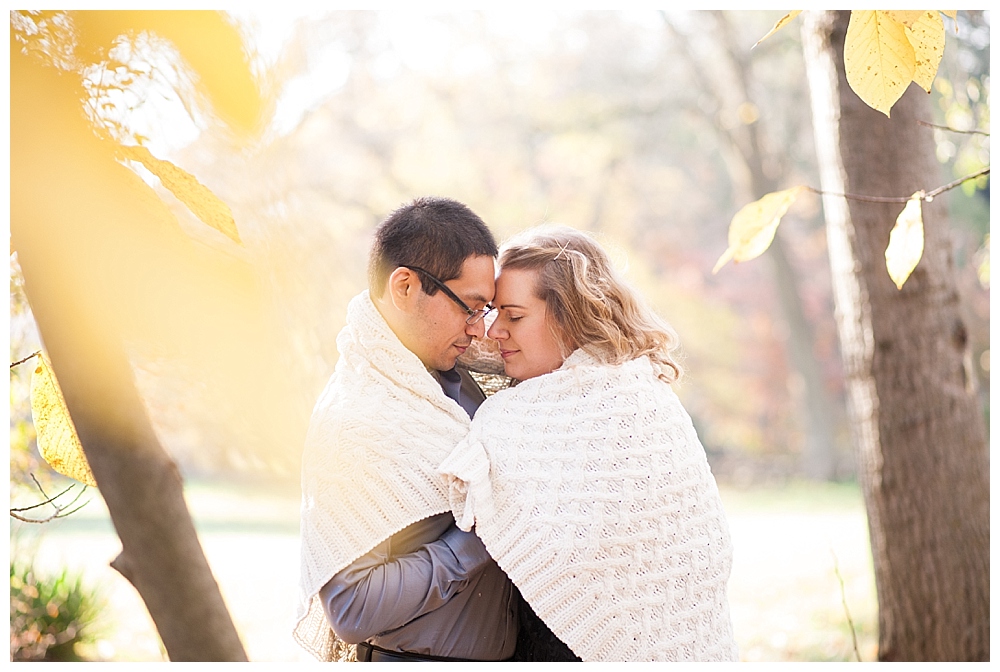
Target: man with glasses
{"points": [[383, 563]]}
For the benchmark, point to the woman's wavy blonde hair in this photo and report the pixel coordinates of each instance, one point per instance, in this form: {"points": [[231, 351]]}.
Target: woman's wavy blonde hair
{"points": [[592, 307]]}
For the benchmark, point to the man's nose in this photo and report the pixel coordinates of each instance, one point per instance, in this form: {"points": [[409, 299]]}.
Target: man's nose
{"points": [[478, 329]]}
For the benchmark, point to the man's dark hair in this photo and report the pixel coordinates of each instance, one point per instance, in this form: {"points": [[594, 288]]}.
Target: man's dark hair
{"points": [[432, 233]]}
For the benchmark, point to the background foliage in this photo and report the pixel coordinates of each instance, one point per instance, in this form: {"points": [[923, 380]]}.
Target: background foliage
{"points": [[609, 122], [51, 616]]}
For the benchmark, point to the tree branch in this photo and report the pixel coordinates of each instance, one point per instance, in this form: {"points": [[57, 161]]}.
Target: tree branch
{"points": [[22, 361], [60, 509], [953, 130], [952, 185], [928, 196]]}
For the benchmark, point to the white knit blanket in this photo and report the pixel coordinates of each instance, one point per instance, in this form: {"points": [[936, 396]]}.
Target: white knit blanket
{"points": [[370, 466], [591, 490]]}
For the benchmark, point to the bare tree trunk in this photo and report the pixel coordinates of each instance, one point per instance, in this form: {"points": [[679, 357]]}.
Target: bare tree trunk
{"points": [[71, 217], [923, 460]]}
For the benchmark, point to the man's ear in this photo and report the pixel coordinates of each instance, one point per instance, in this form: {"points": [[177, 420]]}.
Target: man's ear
{"points": [[403, 288]]}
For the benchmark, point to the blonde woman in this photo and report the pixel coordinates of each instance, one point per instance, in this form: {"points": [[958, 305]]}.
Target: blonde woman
{"points": [[586, 481]]}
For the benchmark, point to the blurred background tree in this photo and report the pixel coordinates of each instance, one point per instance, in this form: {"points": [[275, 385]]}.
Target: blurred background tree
{"points": [[589, 119]]}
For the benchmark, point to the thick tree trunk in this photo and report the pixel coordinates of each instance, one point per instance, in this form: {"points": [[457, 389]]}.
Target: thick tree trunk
{"points": [[72, 213], [923, 459]]}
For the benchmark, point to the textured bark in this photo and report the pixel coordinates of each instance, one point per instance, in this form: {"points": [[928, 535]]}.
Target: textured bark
{"points": [[71, 214], [923, 458]]}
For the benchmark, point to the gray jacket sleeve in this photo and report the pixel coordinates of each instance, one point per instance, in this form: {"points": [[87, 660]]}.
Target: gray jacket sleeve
{"points": [[380, 592]]}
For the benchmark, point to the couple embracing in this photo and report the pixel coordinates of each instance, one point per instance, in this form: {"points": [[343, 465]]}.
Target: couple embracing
{"points": [[572, 516]]}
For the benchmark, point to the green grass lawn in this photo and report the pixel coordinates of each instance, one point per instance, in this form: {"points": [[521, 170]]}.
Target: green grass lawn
{"points": [[786, 600], [800, 552]]}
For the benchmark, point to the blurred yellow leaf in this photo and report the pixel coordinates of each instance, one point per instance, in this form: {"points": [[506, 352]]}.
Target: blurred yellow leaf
{"points": [[926, 36], [207, 40], [752, 228], [58, 443], [878, 57], [208, 207], [779, 25], [906, 241]]}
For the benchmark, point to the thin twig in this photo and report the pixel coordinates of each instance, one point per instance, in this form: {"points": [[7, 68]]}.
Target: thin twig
{"points": [[31, 520], [859, 197], [954, 130], [22, 361], [928, 196], [843, 600], [60, 509], [49, 500], [71, 512], [951, 185], [38, 485]]}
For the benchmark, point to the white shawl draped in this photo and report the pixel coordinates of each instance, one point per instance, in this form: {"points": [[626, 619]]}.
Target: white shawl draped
{"points": [[591, 490], [377, 435]]}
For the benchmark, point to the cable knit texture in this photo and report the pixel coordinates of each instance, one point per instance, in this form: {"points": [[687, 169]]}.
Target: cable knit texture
{"points": [[377, 435], [591, 490]]}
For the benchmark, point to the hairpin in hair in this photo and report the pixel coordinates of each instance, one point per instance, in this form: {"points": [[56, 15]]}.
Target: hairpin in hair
{"points": [[562, 248]]}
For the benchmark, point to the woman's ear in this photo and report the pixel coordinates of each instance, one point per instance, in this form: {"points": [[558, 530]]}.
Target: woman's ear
{"points": [[403, 288]]}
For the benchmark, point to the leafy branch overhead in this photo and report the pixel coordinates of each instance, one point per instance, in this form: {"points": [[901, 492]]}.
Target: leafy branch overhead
{"points": [[752, 228], [212, 59], [883, 52]]}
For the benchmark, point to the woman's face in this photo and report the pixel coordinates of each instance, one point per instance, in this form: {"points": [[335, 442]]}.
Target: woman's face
{"points": [[522, 327]]}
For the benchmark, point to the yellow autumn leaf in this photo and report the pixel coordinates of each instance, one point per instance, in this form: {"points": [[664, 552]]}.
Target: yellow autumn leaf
{"points": [[905, 16], [782, 22], [58, 443], [906, 241], [752, 228], [208, 207], [926, 36], [878, 58]]}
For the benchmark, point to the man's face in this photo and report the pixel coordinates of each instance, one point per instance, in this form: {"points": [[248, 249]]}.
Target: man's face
{"points": [[437, 332]]}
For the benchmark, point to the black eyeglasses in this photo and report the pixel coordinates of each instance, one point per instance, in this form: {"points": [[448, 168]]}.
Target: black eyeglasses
{"points": [[475, 316]]}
